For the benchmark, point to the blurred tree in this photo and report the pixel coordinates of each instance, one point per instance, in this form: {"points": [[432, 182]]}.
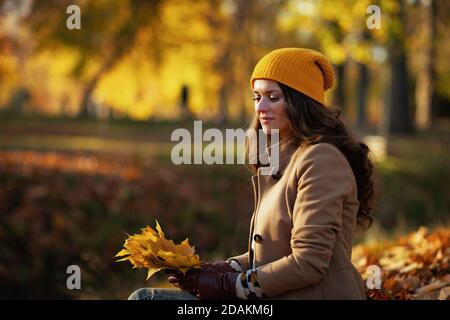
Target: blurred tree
{"points": [[425, 92], [19, 100], [362, 89], [108, 32], [340, 96], [244, 30], [399, 106], [441, 64], [338, 29], [219, 22], [14, 52]]}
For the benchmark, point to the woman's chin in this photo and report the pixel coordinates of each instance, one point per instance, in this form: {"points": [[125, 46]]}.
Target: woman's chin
{"points": [[268, 130]]}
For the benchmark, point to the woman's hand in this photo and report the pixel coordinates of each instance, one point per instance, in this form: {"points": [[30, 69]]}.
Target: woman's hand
{"points": [[206, 283], [218, 266]]}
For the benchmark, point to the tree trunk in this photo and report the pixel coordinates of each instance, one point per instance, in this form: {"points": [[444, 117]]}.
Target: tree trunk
{"points": [[363, 86], [399, 113], [339, 98], [425, 77], [399, 103], [86, 100], [223, 104]]}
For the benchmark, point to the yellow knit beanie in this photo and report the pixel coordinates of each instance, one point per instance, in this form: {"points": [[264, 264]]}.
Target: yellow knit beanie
{"points": [[305, 70]]}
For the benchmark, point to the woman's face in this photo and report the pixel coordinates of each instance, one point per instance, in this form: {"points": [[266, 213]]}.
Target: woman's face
{"points": [[270, 106]]}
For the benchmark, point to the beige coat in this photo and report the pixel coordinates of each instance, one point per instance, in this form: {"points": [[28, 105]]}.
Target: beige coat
{"points": [[303, 225]]}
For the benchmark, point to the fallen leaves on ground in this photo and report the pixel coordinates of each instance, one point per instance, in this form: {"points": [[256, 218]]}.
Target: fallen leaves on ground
{"points": [[25, 161], [414, 267], [150, 249]]}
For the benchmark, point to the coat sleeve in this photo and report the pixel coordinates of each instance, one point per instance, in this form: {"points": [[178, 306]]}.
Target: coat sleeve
{"points": [[242, 259], [325, 179]]}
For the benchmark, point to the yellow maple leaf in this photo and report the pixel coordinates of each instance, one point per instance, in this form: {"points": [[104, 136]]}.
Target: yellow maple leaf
{"points": [[150, 249]]}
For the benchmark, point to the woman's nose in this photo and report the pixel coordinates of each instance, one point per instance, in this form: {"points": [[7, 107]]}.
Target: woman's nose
{"points": [[262, 106]]}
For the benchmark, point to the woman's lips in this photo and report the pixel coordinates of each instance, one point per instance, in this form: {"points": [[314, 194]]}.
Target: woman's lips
{"points": [[266, 119]]}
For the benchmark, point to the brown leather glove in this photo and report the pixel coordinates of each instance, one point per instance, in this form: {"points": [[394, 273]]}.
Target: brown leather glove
{"points": [[218, 266], [207, 284]]}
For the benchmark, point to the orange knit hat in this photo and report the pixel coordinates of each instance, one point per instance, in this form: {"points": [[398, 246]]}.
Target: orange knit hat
{"points": [[305, 70]]}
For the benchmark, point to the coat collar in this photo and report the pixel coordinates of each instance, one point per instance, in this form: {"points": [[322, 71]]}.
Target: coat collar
{"points": [[286, 148]]}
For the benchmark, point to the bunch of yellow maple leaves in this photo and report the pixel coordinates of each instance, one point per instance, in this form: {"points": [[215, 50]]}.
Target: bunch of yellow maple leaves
{"points": [[150, 249], [414, 267]]}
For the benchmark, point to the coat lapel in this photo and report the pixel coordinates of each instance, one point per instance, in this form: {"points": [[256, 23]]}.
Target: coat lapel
{"points": [[261, 182]]}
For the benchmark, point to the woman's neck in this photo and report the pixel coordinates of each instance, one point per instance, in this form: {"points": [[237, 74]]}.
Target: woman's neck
{"points": [[282, 140]]}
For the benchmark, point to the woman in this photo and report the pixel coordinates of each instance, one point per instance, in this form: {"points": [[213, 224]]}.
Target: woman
{"points": [[305, 216]]}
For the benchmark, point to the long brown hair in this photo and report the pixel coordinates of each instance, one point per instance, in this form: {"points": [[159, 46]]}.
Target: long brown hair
{"points": [[312, 123]]}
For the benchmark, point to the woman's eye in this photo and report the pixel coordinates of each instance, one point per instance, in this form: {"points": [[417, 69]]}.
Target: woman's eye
{"points": [[272, 99]]}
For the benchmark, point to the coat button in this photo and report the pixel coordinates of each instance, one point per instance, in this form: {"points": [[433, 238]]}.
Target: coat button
{"points": [[258, 238]]}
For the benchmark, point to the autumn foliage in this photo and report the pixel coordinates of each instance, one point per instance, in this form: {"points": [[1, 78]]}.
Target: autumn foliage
{"points": [[150, 249], [414, 267]]}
